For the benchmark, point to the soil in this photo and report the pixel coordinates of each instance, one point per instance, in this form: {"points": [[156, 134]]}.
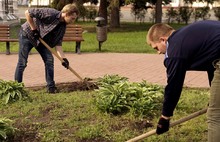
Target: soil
{"points": [[71, 86]]}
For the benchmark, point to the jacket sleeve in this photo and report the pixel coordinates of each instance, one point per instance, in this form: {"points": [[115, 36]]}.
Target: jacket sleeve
{"points": [[176, 71], [47, 14]]}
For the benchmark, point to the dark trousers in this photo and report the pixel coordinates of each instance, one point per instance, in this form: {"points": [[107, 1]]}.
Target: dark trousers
{"points": [[25, 47]]}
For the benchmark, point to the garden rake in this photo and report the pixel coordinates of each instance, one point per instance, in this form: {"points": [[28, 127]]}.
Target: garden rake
{"points": [[70, 68], [55, 53], [191, 116]]}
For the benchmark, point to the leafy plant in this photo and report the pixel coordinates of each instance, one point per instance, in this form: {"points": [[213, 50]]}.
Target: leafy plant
{"points": [[6, 128], [11, 91], [110, 79], [119, 97]]}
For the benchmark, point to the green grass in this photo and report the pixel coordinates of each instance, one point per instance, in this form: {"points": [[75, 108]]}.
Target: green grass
{"points": [[73, 117], [129, 38]]}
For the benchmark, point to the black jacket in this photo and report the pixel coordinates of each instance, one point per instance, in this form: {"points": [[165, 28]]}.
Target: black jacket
{"points": [[193, 47]]}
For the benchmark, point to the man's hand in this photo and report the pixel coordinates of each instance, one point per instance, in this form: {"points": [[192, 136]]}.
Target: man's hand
{"points": [[36, 34], [163, 125], [65, 63]]}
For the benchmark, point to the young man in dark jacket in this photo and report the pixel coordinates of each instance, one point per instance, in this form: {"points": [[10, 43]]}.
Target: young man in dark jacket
{"points": [[193, 47], [50, 25]]}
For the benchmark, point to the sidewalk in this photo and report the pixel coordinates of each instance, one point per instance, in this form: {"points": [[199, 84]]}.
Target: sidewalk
{"points": [[136, 67]]}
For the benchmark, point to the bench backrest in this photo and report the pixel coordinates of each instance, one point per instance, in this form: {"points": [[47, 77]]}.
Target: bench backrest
{"points": [[73, 33], [4, 32]]}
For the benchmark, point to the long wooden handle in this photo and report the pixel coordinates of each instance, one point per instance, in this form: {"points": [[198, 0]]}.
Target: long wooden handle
{"points": [[61, 59], [152, 132]]}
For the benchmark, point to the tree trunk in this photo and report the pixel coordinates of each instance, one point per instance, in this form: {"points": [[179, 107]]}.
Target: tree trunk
{"points": [[158, 12], [103, 10], [115, 14]]}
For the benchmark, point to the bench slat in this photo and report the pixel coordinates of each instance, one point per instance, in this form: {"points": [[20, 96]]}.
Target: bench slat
{"points": [[73, 39], [8, 40]]}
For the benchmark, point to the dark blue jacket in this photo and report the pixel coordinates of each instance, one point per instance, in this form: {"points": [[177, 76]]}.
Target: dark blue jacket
{"points": [[193, 47]]}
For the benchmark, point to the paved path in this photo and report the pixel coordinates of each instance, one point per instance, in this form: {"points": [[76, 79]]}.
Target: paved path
{"points": [[136, 67]]}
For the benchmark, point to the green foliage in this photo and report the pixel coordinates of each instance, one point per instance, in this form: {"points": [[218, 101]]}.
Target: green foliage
{"points": [[171, 14], [120, 96], [185, 13], [6, 128], [110, 80], [201, 12], [91, 13], [217, 12], [11, 91]]}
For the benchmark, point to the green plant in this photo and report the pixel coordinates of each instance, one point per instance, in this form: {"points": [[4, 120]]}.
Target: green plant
{"points": [[185, 13], [201, 12], [120, 96], [11, 91], [217, 12], [110, 79], [171, 14], [150, 101], [6, 128]]}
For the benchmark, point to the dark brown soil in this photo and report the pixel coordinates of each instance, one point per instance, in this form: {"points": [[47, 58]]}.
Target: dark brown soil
{"points": [[71, 86]]}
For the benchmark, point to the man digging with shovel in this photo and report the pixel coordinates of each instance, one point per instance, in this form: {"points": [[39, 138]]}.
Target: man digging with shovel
{"points": [[194, 47], [50, 25]]}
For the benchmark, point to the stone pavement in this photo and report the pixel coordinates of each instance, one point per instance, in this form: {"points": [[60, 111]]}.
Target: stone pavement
{"points": [[136, 67]]}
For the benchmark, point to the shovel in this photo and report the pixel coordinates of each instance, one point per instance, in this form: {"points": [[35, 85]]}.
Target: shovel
{"points": [[55, 53], [191, 116]]}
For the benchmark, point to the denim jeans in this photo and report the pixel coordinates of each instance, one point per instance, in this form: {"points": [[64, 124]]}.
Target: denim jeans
{"points": [[25, 47], [213, 113]]}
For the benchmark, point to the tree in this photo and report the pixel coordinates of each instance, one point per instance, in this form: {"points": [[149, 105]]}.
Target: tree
{"points": [[115, 13], [158, 11], [103, 10]]}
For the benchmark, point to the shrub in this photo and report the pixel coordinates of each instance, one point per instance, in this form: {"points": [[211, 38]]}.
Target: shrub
{"points": [[11, 91], [120, 97]]}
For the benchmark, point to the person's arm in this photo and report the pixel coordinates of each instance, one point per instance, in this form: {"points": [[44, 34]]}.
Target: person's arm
{"points": [[30, 20], [176, 70], [59, 51]]}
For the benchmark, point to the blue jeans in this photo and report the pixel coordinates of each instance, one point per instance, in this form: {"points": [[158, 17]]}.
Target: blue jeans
{"points": [[213, 113], [25, 47]]}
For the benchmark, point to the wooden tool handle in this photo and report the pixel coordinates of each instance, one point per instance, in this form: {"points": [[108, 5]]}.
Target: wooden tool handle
{"points": [[61, 59], [152, 132]]}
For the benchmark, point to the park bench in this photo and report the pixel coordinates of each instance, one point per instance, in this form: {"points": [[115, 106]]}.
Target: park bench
{"points": [[5, 37], [73, 33]]}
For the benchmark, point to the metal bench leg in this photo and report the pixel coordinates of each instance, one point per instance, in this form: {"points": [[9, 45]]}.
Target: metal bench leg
{"points": [[7, 48], [78, 44]]}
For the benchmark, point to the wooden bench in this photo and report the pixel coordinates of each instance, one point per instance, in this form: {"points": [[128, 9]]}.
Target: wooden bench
{"points": [[5, 37], [73, 33]]}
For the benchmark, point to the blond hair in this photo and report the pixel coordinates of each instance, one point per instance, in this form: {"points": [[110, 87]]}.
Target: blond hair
{"points": [[70, 9], [158, 30]]}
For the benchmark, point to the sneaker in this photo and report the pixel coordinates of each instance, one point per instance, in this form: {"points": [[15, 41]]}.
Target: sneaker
{"points": [[52, 90]]}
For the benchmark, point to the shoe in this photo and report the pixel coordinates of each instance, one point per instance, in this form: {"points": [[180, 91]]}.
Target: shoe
{"points": [[52, 90]]}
